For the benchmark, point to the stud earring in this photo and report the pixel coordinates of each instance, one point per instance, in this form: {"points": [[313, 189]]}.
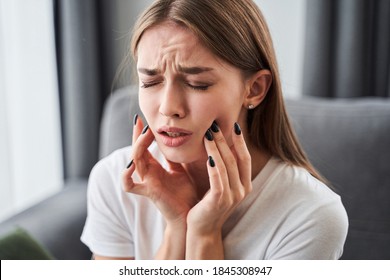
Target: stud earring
{"points": [[251, 106]]}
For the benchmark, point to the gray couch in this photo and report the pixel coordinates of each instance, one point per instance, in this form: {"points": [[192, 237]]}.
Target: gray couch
{"points": [[347, 140]]}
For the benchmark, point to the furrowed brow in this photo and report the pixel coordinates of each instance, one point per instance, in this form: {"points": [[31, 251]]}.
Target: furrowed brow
{"points": [[194, 70], [149, 72], [185, 70]]}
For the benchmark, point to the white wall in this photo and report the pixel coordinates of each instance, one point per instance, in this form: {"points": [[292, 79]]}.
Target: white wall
{"points": [[286, 20], [30, 136]]}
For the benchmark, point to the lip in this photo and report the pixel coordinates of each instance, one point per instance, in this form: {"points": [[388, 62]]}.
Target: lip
{"points": [[170, 141]]}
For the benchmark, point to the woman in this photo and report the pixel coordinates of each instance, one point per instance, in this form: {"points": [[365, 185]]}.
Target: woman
{"points": [[217, 173]]}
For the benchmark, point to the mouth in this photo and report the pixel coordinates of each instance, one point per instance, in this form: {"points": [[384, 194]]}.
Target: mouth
{"points": [[173, 131], [173, 136]]}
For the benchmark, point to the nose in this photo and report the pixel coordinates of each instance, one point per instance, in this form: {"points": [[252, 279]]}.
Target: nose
{"points": [[172, 103]]}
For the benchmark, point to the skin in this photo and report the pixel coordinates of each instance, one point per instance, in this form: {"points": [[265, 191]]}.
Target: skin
{"points": [[184, 85]]}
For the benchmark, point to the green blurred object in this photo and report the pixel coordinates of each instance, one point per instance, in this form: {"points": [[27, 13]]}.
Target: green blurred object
{"points": [[19, 245]]}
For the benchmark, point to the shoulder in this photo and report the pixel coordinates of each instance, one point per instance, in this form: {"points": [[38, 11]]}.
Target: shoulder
{"points": [[296, 187], [104, 182], [113, 162], [309, 212], [295, 183]]}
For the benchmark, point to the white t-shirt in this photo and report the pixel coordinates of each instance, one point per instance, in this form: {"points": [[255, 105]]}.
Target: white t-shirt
{"points": [[288, 215]]}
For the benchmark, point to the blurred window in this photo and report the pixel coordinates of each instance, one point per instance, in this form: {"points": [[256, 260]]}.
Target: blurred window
{"points": [[30, 132]]}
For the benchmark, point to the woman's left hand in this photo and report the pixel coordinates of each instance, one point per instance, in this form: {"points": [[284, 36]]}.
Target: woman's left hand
{"points": [[229, 171]]}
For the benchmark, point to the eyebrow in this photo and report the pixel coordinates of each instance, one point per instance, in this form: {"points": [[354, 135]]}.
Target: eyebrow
{"points": [[186, 70], [194, 70], [149, 72]]}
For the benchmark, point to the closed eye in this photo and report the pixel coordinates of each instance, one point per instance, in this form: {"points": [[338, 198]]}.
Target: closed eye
{"points": [[194, 87], [148, 85], [201, 88]]}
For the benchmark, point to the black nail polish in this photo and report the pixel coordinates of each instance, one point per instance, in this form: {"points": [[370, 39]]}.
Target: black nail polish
{"points": [[130, 164], [135, 119], [145, 129], [214, 127], [237, 128], [211, 161], [209, 135]]}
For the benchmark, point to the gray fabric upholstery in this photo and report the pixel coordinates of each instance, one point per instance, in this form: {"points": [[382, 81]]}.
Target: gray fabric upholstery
{"points": [[117, 122]]}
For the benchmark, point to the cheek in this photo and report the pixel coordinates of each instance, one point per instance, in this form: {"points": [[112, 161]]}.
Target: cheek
{"points": [[148, 106], [227, 111], [226, 115], [219, 103]]}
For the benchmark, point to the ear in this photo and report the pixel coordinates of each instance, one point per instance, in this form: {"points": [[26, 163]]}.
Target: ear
{"points": [[257, 88]]}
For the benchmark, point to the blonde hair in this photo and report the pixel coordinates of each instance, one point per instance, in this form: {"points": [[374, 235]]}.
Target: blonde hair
{"points": [[236, 31]]}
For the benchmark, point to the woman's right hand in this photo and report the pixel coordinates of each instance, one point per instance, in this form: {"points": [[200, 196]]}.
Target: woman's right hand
{"points": [[171, 190]]}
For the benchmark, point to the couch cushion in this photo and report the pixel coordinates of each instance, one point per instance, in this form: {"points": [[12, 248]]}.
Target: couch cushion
{"points": [[348, 141], [117, 123]]}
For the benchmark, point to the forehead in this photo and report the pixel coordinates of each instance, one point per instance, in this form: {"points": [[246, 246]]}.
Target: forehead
{"points": [[171, 41], [169, 32]]}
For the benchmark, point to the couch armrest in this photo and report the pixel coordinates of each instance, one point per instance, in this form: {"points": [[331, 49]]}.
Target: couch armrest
{"points": [[56, 222]]}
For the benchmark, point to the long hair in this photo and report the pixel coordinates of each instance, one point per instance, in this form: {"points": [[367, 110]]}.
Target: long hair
{"points": [[236, 31]]}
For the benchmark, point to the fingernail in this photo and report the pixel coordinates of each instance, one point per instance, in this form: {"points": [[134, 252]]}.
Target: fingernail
{"points": [[214, 127], [211, 161], [209, 135], [237, 128], [130, 164], [135, 119], [145, 129]]}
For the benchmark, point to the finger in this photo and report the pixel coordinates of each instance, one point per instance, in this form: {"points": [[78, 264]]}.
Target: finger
{"points": [[137, 129], [140, 152], [216, 185], [140, 129], [138, 126], [128, 183], [127, 178], [229, 161], [243, 158], [218, 163], [141, 145]]}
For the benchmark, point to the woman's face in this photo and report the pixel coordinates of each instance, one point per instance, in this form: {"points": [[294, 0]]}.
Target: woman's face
{"points": [[184, 87]]}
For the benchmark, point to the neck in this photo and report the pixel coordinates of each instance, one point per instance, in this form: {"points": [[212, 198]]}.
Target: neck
{"points": [[199, 176], [259, 159]]}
